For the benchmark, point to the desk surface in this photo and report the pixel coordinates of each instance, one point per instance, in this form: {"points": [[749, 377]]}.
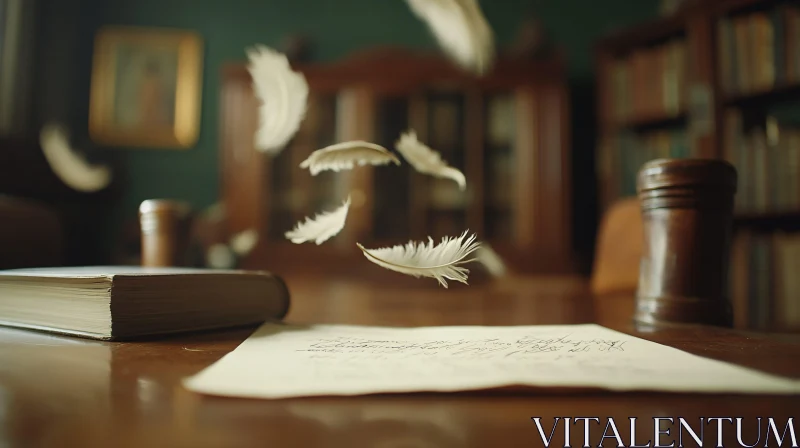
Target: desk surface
{"points": [[67, 392]]}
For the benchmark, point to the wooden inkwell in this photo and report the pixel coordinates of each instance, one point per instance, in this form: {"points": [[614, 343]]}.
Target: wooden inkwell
{"points": [[166, 226], [687, 212]]}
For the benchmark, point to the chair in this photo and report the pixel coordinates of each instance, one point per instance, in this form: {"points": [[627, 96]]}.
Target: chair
{"points": [[619, 249]]}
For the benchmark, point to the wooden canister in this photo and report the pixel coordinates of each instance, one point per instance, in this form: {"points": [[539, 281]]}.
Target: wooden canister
{"points": [[687, 212], [165, 228]]}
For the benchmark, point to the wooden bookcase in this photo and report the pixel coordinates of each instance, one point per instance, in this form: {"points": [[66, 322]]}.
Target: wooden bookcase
{"points": [[508, 132], [719, 79]]}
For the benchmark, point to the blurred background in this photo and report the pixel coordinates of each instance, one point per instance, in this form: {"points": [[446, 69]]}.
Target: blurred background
{"points": [[581, 95]]}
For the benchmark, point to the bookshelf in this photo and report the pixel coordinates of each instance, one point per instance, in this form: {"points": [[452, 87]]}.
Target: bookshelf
{"points": [[507, 132], [719, 79]]}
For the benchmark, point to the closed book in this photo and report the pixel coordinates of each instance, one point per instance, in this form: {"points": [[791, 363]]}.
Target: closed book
{"points": [[121, 302]]}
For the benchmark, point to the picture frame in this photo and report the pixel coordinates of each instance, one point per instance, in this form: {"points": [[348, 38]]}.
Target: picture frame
{"points": [[146, 87]]}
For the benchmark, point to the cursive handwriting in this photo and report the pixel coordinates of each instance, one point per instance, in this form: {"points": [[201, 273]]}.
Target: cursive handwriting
{"points": [[494, 347]]}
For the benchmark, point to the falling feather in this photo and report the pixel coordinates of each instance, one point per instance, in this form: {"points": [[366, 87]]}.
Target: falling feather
{"points": [[425, 160], [344, 156], [283, 94], [322, 227], [244, 242], [491, 260], [68, 165], [417, 259], [460, 29], [220, 256]]}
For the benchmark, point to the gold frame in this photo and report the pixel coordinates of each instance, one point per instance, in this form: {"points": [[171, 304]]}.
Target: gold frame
{"points": [[183, 133]]}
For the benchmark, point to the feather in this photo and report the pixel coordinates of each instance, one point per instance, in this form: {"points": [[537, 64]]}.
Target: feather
{"points": [[68, 165], [244, 242], [283, 94], [343, 156], [220, 256], [491, 260], [460, 29], [425, 160], [439, 261], [322, 227]]}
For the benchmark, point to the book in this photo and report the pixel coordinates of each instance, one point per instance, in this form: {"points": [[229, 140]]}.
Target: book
{"points": [[763, 280], [122, 302]]}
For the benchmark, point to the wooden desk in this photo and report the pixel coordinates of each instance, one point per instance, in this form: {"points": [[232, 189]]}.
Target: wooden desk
{"points": [[68, 392]]}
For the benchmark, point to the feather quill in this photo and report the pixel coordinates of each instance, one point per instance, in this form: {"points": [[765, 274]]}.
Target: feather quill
{"points": [[68, 165], [322, 227], [283, 94], [344, 156], [441, 261], [460, 29], [427, 161]]}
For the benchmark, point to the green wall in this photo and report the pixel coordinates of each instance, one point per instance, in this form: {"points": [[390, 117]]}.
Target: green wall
{"points": [[337, 27]]}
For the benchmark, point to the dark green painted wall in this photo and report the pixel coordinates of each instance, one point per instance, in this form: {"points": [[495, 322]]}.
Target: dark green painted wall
{"points": [[337, 27]]}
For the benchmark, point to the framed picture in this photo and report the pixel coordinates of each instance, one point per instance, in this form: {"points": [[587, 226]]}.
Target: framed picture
{"points": [[146, 87]]}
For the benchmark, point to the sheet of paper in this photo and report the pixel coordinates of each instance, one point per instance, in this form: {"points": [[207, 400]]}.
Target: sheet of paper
{"points": [[281, 361]]}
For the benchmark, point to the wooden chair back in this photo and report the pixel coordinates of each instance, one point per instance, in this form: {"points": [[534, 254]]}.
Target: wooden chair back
{"points": [[619, 249]]}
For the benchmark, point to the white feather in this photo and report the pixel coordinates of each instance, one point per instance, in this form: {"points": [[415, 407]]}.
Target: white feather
{"points": [[491, 260], [244, 242], [68, 165], [425, 160], [461, 30], [419, 259], [283, 94], [322, 227], [220, 256], [344, 156]]}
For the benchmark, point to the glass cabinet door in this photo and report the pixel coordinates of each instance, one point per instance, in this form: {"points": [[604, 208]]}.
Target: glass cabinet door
{"points": [[498, 167], [444, 204], [294, 192], [392, 206]]}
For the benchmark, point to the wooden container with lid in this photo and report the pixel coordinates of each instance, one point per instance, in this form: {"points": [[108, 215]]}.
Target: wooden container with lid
{"points": [[166, 226], [687, 212]]}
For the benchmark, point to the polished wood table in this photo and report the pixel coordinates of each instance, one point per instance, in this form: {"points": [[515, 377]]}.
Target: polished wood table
{"points": [[65, 392]]}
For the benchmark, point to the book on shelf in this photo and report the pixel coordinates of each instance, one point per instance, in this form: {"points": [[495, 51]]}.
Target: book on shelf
{"points": [[650, 111], [633, 150], [650, 82], [793, 43], [765, 288], [759, 51], [767, 159], [125, 302]]}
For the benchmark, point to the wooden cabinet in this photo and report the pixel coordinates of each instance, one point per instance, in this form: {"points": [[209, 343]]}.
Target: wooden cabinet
{"points": [[507, 132]]}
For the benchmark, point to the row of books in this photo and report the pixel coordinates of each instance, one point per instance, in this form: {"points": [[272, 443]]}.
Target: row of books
{"points": [[764, 285], [650, 82], [759, 51], [632, 150], [767, 159]]}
